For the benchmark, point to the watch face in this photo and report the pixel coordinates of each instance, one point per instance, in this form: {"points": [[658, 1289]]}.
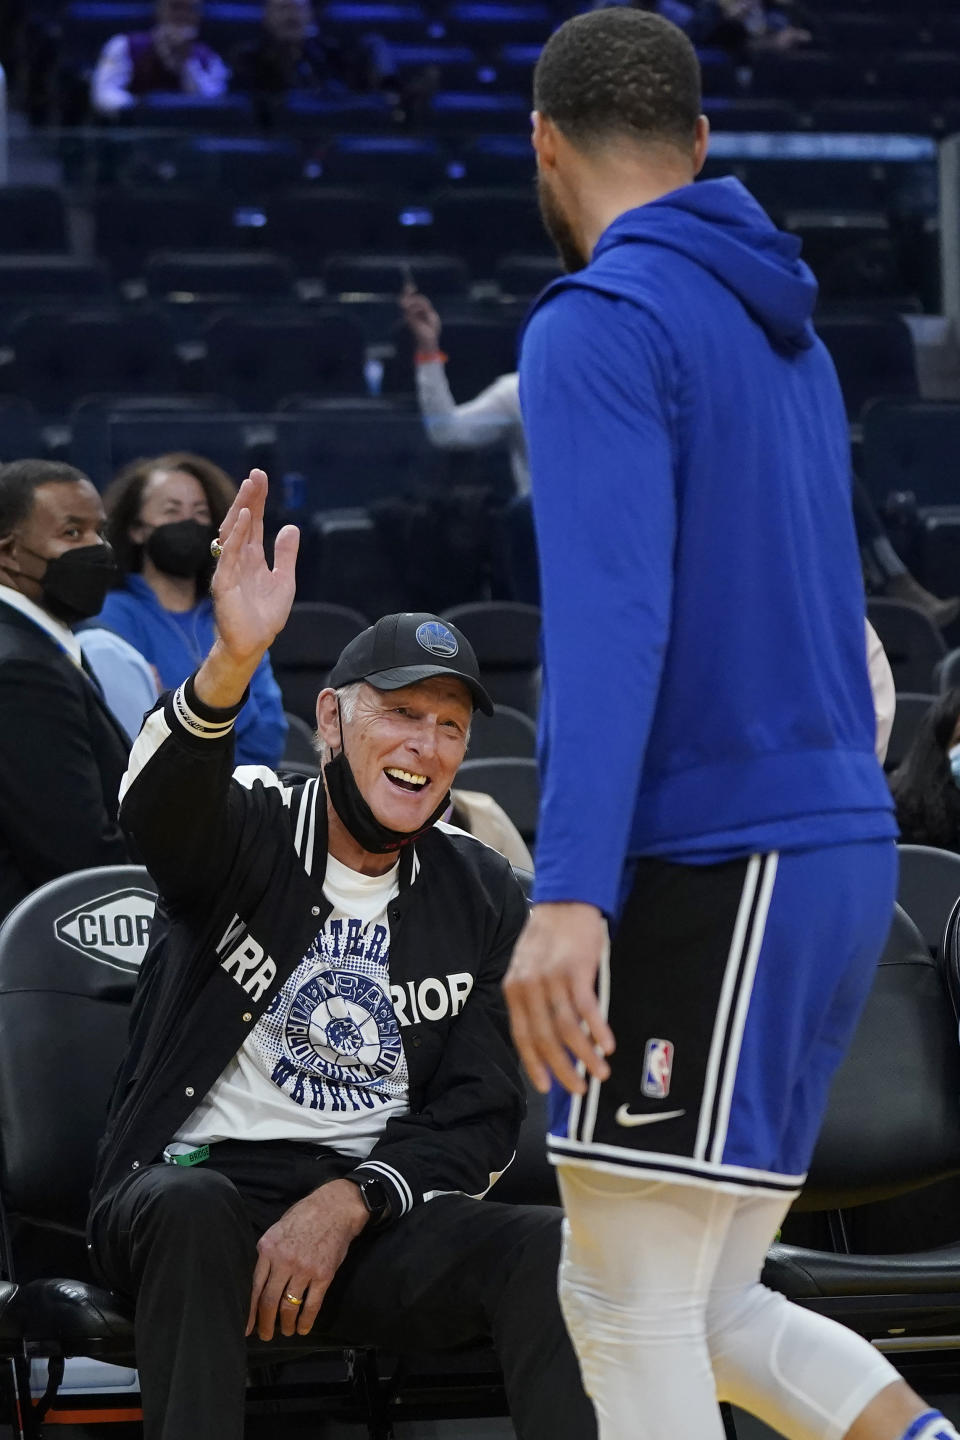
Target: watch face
{"points": [[374, 1197]]}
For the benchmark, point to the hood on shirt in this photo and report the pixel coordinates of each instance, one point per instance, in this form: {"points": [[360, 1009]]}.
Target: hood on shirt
{"points": [[718, 224]]}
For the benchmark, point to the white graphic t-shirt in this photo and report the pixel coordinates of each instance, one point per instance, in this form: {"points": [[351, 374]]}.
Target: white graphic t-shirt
{"points": [[324, 1062]]}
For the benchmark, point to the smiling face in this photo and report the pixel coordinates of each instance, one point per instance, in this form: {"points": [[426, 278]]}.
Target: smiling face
{"points": [[403, 746]]}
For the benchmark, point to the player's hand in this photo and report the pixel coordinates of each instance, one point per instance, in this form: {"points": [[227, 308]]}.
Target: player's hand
{"points": [[300, 1255], [423, 320], [551, 996], [252, 602]]}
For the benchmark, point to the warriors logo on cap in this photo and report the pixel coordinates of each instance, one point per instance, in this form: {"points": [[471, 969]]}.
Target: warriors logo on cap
{"points": [[437, 638]]}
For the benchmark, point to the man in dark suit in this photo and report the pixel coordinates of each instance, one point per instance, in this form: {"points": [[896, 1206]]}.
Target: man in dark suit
{"points": [[62, 754]]}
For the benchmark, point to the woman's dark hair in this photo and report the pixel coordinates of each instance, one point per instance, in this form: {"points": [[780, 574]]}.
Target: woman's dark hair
{"points": [[928, 801], [124, 497]]}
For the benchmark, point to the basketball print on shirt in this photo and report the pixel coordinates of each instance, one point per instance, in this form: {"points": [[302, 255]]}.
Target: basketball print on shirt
{"points": [[330, 1039]]}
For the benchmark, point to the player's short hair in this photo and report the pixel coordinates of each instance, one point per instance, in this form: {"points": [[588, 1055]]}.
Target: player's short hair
{"points": [[619, 73], [19, 482]]}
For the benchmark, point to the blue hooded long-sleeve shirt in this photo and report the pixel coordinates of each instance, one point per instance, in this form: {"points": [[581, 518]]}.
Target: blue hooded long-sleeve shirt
{"points": [[175, 643], [705, 682]]}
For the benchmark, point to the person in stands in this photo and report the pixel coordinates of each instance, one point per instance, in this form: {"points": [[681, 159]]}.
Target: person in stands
{"points": [[161, 517], [63, 753], [168, 58], [926, 786]]}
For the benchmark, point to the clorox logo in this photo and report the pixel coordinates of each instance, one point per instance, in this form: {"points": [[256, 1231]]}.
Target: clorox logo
{"points": [[436, 638], [112, 929]]}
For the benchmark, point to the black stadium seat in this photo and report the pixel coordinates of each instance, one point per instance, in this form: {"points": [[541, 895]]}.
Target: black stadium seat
{"points": [[258, 359], [60, 358], [512, 782], [913, 643], [929, 889], [246, 273], [912, 445], [29, 278], [306, 650], [33, 220], [485, 223], [506, 638], [874, 357], [402, 163], [910, 712], [311, 224], [133, 224], [387, 274], [504, 734]]}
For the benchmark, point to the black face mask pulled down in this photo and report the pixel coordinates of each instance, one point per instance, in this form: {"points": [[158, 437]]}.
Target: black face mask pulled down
{"points": [[357, 816], [180, 548], [75, 584]]}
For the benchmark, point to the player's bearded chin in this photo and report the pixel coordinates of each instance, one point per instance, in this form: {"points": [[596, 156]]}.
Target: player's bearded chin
{"points": [[559, 228]]}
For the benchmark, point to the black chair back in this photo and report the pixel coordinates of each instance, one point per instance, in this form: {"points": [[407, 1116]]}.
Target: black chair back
{"points": [[893, 1120], [506, 733], [69, 958], [913, 643], [513, 783], [929, 890], [908, 717], [505, 635], [306, 649]]}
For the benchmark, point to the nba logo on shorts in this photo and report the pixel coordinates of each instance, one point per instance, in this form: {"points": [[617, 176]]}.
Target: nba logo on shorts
{"points": [[657, 1065]]}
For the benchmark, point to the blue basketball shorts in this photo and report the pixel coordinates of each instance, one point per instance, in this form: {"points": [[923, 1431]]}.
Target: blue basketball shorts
{"points": [[733, 992]]}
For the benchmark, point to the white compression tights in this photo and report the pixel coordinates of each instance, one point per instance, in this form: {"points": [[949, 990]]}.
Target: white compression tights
{"points": [[660, 1289]]}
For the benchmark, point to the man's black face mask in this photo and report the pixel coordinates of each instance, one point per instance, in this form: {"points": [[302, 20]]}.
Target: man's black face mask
{"points": [[75, 584], [356, 815]]}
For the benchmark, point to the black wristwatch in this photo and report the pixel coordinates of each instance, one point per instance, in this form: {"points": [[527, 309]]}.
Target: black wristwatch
{"points": [[374, 1195]]}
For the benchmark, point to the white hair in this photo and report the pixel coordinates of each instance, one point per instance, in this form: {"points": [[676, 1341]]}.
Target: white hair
{"points": [[347, 701]]}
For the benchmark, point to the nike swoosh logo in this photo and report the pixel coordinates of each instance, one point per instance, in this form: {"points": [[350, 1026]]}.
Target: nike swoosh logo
{"points": [[623, 1116]]}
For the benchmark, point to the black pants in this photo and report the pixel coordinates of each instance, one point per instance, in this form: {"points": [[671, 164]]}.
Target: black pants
{"points": [[181, 1241]]}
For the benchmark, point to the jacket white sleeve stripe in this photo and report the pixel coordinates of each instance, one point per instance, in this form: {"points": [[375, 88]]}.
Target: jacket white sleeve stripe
{"points": [[155, 731]]}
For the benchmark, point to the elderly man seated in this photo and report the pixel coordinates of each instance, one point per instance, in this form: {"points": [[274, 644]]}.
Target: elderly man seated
{"points": [[320, 1086]]}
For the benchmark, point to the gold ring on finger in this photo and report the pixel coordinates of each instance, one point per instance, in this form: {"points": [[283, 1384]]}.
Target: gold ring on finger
{"points": [[216, 549], [293, 1299]]}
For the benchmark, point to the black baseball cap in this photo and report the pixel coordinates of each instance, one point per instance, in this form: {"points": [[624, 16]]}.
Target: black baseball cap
{"points": [[402, 649]]}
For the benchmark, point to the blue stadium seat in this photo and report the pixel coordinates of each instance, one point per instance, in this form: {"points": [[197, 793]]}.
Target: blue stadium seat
{"points": [[402, 162], [258, 359], [718, 72], [193, 113], [227, 23], [33, 219], [455, 111], [307, 113], [874, 357], [456, 66], [394, 21], [499, 160], [214, 273], [488, 24], [87, 25], [387, 274]]}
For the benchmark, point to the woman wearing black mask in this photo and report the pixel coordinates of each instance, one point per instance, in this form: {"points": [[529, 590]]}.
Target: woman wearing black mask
{"points": [[161, 516]]}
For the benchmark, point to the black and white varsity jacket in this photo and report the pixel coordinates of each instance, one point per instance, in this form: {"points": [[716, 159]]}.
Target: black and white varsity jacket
{"points": [[239, 863]]}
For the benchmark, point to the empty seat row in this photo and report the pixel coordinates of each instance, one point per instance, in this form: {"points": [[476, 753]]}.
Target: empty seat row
{"points": [[255, 360]]}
